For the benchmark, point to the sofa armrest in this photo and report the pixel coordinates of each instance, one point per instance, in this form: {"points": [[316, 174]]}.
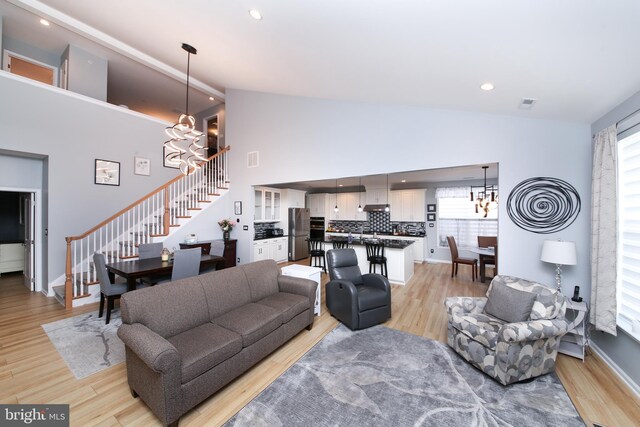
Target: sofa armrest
{"points": [[298, 286], [461, 305], [533, 330], [156, 352]]}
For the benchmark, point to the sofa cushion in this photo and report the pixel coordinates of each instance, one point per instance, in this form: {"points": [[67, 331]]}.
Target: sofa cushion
{"points": [[168, 309], [262, 277], [288, 305], [509, 304], [370, 297], [479, 327], [203, 347], [225, 290], [251, 321]]}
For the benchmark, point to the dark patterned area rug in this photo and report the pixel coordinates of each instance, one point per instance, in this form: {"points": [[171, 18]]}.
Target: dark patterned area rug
{"points": [[86, 344], [384, 377]]}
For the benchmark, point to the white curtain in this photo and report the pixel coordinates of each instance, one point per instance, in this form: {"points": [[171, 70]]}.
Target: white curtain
{"points": [[604, 231], [461, 192]]}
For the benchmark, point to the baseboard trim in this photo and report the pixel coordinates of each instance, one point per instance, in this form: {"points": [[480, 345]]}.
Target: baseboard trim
{"points": [[635, 388]]}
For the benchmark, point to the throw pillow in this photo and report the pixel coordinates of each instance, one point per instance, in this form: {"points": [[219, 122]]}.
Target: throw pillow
{"points": [[508, 304]]}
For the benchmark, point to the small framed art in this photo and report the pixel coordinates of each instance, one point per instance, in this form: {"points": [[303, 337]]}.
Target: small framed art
{"points": [[431, 217], [107, 172], [431, 208], [141, 166], [237, 208]]}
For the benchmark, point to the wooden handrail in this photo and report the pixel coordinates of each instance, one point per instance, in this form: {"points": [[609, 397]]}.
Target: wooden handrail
{"points": [[69, 239]]}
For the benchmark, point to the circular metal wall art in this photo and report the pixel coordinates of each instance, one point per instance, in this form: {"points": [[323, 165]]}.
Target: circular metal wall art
{"points": [[543, 205]]}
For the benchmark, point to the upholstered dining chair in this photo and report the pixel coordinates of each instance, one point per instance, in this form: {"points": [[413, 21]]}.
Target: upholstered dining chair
{"points": [[456, 260], [357, 300], [186, 263], [149, 250], [108, 291]]}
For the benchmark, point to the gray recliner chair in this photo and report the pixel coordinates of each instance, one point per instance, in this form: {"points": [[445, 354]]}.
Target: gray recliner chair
{"points": [[357, 300]]}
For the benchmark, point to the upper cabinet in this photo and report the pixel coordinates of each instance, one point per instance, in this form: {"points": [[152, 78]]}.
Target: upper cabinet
{"points": [[347, 208], [267, 205], [408, 205], [377, 196], [318, 204]]}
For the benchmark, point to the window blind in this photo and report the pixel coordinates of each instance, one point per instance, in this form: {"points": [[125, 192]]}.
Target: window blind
{"points": [[457, 217], [628, 286]]}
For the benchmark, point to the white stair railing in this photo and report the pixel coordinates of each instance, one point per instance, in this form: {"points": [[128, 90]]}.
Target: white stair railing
{"points": [[153, 215]]}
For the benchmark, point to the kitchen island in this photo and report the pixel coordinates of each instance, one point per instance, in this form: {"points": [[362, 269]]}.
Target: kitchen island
{"points": [[399, 255]]}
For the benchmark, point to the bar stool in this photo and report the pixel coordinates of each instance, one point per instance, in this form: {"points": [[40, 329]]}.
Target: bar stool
{"points": [[375, 256], [340, 244], [316, 252]]}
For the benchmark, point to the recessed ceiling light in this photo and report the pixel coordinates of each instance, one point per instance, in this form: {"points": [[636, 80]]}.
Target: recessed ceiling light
{"points": [[340, 185], [44, 22], [211, 98], [255, 14], [486, 86], [404, 180]]}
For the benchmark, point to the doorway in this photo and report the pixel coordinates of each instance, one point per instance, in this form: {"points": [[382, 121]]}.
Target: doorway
{"points": [[20, 216], [211, 125]]}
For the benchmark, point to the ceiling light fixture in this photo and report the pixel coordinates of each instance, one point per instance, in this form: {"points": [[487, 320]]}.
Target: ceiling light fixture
{"points": [[184, 149], [44, 22], [360, 194], [486, 86], [387, 208], [336, 208], [211, 98], [255, 14], [487, 196]]}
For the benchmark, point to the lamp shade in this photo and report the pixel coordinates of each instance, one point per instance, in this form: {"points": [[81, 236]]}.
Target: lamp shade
{"points": [[559, 252]]}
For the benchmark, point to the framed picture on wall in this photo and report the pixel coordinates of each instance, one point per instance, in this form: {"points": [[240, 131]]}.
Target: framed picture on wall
{"points": [[141, 166], [166, 163], [431, 208], [107, 172], [237, 208], [431, 217]]}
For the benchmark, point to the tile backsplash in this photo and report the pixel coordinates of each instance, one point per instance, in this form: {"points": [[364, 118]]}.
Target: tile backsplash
{"points": [[379, 222]]}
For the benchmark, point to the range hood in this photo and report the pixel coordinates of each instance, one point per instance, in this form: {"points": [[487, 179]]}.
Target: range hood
{"points": [[374, 208]]}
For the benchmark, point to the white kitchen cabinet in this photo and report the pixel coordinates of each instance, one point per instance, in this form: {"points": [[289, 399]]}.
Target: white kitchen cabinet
{"points": [[276, 249], [347, 208], [408, 205], [11, 257], [267, 205], [318, 204], [377, 196]]}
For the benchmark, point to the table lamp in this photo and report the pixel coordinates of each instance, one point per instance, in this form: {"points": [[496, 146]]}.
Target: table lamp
{"points": [[560, 253]]}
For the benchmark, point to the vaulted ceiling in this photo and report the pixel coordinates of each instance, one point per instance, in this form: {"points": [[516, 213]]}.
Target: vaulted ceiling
{"points": [[577, 58]]}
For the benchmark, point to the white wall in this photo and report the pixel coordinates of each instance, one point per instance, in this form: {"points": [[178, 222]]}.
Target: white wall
{"points": [[306, 139], [71, 131]]}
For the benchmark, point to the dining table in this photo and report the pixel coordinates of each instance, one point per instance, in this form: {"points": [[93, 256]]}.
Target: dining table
{"points": [[485, 256], [133, 270]]}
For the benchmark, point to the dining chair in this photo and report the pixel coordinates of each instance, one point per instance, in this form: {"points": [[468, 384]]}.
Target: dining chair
{"points": [[217, 248], [149, 250], [456, 260], [488, 242], [109, 291], [186, 263]]}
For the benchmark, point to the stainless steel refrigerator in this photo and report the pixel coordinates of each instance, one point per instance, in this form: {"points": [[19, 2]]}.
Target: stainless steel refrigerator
{"points": [[298, 233]]}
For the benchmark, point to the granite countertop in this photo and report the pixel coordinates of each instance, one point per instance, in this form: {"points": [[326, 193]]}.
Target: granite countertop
{"points": [[386, 234], [388, 243], [10, 242], [267, 238]]}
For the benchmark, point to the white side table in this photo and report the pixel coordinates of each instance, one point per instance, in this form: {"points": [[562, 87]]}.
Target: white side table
{"points": [[575, 341], [306, 272]]}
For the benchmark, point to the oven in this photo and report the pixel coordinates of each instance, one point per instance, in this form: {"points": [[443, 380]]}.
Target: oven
{"points": [[316, 228]]}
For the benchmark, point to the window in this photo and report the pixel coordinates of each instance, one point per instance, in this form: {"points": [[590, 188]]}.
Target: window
{"points": [[457, 217], [628, 286]]}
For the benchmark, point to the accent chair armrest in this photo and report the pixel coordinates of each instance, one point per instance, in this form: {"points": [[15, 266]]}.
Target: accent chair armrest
{"points": [[298, 286], [342, 300], [533, 330], [158, 353], [461, 305], [376, 280]]}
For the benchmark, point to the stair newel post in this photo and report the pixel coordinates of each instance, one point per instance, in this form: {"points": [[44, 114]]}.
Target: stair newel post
{"points": [[165, 217], [68, 287]]}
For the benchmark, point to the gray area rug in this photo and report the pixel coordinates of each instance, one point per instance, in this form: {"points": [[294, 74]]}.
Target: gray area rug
{"points": [[86, 344], [384, 377]]}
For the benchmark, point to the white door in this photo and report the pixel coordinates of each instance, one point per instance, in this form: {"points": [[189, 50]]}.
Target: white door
{"points": [[28, 220]]}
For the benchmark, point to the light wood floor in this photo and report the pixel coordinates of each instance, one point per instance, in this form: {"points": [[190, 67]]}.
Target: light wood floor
{"points": [[31, 371]]}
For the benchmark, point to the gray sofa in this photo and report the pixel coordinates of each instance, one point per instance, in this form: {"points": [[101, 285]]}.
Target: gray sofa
{"points": [[187, 339]]}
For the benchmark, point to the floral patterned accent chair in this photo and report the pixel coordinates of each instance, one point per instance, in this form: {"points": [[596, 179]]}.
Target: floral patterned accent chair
{"points": [[511, 335]]}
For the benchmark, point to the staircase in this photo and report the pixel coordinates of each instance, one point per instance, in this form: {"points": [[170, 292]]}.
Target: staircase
{"points": [[151, 218]]}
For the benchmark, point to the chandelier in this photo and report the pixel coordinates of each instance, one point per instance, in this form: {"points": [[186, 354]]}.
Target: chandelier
{"points": [[487, 196], [184, 149]]}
